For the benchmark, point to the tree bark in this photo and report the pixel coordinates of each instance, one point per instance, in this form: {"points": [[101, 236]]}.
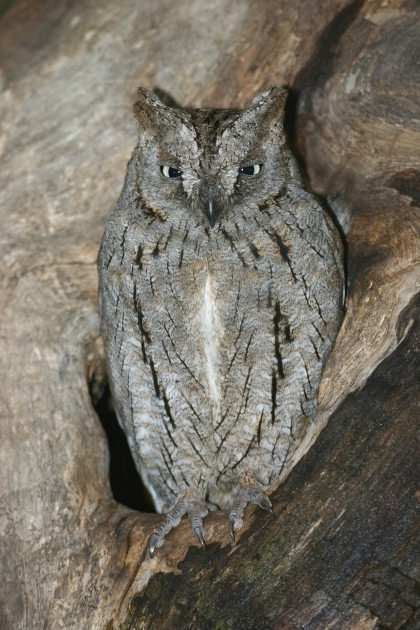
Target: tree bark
{"points": [[342, 547]]}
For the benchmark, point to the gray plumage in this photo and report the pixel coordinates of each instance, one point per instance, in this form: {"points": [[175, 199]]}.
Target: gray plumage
{"points": [[221, 295]]}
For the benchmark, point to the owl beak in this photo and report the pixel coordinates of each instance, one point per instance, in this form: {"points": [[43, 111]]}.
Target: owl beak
{"points": [[210, 201], [213, 211]]}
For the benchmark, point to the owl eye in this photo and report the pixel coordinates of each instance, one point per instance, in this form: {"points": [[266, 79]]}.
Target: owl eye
{"points": [[252, 169], [170, 171]]}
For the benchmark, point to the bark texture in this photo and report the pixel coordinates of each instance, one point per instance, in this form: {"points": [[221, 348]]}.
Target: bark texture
{"points": [[342, 549]]}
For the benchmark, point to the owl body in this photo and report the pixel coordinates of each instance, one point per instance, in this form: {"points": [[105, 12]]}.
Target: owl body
{"points": [[221, 295]]}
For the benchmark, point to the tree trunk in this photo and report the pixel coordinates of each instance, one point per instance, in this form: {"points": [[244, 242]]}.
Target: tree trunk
{"points": [[342, 547]]}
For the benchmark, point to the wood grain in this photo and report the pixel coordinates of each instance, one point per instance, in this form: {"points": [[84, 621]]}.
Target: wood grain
{"points": [[342, 548]]}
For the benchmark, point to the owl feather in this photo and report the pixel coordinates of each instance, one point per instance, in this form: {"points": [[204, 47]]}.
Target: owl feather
{"points": [[221, 284]]}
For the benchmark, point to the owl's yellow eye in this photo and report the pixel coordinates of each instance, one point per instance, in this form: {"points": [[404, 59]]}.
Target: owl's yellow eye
{"points": [[170, 171], [252, 169]]}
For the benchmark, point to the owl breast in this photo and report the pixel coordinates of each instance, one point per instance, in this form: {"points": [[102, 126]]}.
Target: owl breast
{"points": [[216, 344]]}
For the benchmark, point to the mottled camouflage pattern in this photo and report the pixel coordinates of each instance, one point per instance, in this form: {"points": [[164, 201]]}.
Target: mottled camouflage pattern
{"points": [[216, 337]]}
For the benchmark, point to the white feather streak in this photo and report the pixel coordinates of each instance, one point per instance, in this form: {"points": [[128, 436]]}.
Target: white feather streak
{"points": [[211, 330]]}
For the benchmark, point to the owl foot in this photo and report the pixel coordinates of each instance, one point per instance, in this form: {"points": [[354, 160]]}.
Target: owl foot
{"points": [[249, 491], [188, 503]]}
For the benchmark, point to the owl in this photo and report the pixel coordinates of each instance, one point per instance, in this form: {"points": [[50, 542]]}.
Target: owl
{"points": [[221, 294]]}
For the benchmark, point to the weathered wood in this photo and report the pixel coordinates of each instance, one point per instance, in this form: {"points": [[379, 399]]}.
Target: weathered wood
{"points": [[342, 549], [358, 128]]}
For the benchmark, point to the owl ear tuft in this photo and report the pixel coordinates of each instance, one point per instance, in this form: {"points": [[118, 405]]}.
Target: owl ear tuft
{"points": [[155, 107], [271, 101], [146, 106], [265, 114]]}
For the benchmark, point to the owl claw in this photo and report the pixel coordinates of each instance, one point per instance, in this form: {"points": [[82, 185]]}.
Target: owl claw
{"points": [[187, 503], [190, 503], [197, 511], [264, 503], [232, 533], [153, 545], [248, 492], [199, 534]]}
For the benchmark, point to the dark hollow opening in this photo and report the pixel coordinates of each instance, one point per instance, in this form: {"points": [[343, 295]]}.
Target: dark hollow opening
{"points": [[126, 484]]}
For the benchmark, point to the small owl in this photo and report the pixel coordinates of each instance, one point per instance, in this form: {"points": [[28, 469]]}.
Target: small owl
{"points": [[221, 284]]}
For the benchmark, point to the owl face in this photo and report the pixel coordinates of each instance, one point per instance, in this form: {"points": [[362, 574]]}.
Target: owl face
{"points": [[208, 165]]}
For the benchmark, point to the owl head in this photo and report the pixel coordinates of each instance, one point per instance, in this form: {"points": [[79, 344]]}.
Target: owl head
{"points": [[210, 164]]}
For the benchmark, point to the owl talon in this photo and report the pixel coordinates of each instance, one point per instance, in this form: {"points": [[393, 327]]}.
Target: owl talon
{"points": [[199, 534], [189, 504], [154, 544], [236, 523], [264, 503], [197, 512], [248, 492]]}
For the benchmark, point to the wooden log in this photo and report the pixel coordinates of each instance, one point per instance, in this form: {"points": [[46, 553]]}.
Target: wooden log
{"points": [[342, 548]]}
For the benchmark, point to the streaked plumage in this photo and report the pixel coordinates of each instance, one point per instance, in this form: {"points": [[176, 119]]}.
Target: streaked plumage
{"points": [[216, 335]]}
